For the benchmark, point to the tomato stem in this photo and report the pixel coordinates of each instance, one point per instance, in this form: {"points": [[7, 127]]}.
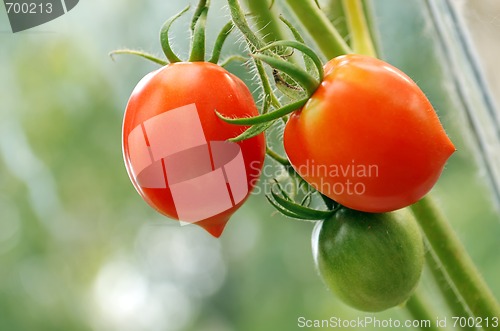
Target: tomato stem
{"points": [[320, 28], [361, 41], [278, 158], [457, 263]]}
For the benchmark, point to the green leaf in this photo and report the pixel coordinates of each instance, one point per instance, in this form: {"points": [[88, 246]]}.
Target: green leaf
{"points": [[142, 54], [281, 209], [282, 191], [311, 54], [231, 59], [292, 91], [285, 110], [198, 43], [296, 34], [197, 13], [165, 43], [304, 212], [302, 77], [219, 42]]}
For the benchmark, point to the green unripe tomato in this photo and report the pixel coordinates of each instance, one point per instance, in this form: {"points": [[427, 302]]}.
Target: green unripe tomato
{"points": [[372, 262]]}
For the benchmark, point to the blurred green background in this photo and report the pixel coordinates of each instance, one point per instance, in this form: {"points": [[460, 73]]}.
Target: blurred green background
{"points": [[80, 250]]}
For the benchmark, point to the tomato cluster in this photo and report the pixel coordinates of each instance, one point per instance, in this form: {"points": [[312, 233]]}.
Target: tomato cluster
{"points": [[366, 137]]}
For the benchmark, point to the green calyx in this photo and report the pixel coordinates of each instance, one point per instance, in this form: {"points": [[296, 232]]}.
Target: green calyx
{"points": [[267, 117], [264, 121], [198, 42], [200, 8], [219, 42], [197, 28], [164, 38], [286, 204]]}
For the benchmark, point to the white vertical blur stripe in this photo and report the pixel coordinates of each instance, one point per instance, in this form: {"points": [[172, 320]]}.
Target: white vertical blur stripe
{"points": [[469, 81]]}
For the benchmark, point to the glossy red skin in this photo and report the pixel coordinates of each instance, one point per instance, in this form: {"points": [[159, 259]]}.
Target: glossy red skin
{"points": [[367, 112], [211, 88]]}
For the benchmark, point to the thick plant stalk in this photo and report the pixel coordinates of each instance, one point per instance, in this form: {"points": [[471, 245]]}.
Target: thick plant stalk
{"points": [[358, 27], [418, 307], [266, 19], [456, 261], [319, 27], [446, 287]]}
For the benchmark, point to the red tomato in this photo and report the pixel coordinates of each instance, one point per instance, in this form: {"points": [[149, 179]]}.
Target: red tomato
{"points": [[368, 137], [175, 147]]}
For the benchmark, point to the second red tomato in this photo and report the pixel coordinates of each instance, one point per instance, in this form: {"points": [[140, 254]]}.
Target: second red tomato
{"points": [[368, 137]]}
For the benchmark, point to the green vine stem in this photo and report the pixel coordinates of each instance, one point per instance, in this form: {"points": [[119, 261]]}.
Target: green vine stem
{"points": [[329, 41], [446, 287], [358, 27], [266, 20], [241, 23], [456, 261], [418, 307]]}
